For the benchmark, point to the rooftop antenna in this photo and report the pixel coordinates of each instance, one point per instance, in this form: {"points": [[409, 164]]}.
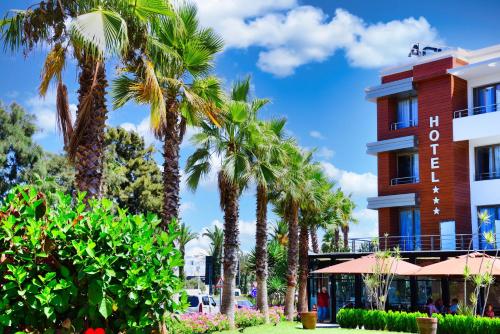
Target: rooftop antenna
{"points": [[416, 51]]}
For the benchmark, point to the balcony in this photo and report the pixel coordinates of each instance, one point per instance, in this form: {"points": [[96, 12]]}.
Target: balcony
{"points": [[492, 175], [455, 242], [405, 180], [403, 125], [476, 122]]}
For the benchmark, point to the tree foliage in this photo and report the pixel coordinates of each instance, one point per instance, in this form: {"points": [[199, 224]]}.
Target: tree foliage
{"points": [[18, 151]]}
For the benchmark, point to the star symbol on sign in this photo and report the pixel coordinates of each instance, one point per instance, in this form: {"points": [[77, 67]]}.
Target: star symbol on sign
{"points": [[436, 200], [435, 190], [436, 211]]}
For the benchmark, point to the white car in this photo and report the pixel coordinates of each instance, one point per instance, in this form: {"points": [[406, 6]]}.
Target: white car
{"points": [[202, 304]]}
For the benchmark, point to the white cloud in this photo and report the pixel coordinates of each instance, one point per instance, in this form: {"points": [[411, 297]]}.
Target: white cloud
{"points": [[186, 206], [143, 129], [359, 185], [316, 134], [325, 153], [367, 224], [290, 35]]}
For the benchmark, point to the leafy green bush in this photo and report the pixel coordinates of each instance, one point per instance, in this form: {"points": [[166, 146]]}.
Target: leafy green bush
{"points": [[407, 322], [93, 265], [451, 324]]}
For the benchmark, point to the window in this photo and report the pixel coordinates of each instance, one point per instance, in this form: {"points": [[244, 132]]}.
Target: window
{"points": [[407, 168], [409, 227], [486, 99], [193, 301], [490, 224], [488, 162], [407, 113]]}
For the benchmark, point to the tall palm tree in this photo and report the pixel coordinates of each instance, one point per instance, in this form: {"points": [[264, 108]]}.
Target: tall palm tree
{"points": [[293, 187], [231, 143], [266, 158], [185, 236], [346, 217], [311, 207], [172, 76], [97, 30], [216, 236]]}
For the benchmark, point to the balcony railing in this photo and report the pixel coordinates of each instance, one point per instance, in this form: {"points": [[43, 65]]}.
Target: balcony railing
{"points": [[419, 243], [403, 125], [476, 110], [493, 175], [405, 180]]}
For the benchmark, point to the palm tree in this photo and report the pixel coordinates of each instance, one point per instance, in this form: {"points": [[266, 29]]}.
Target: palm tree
{"points": [[231, 143], [267, 157], [293, 187], [311, 207], [345, 217], [216, 236], [98, 29], [172, 77], [185, 236]]}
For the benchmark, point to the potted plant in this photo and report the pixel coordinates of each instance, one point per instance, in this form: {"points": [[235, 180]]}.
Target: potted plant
{"points": [[309, 319], [427, 325]]}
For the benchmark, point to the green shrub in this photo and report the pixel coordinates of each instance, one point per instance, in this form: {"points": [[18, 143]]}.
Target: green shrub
{"points": [[451, 324], [93, 264]]}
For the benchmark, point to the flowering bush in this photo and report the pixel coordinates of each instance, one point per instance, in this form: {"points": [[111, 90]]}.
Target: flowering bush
{"points": [[198, 323], [78, 266]]}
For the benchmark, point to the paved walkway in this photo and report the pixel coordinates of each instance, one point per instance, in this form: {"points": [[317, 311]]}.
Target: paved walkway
{"points": [[326, 325]]}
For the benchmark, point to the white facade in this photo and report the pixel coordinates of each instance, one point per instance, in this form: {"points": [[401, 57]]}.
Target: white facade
{"points": [[479, 130], [194, 266]]}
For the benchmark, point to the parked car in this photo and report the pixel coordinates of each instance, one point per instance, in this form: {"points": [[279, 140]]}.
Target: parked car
{"points": [[202, 304], [246, 304], [237, 292]]}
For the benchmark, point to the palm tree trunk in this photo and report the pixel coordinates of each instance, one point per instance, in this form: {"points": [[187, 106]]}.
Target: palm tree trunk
{"points": [[337, 239], [261, 252], [181, 268], [303, 268], [171, 175], [229, 194], [89, 153], [293, 245], [314, 238], [345, 232]]}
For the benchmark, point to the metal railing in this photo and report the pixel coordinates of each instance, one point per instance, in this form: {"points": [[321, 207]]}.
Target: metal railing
{"points": [[405, 180], [488, 176], [476, 110], [403, 125], [418, 243]]}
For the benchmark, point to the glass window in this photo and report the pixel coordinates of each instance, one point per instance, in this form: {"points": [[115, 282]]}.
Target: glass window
{"points": [[490, 224], [409, 228], [407, 113], [488, 162], [407, 168], [193, 301], [486, 99]]}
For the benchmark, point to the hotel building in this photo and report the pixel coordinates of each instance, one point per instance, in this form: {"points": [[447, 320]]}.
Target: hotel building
{"points": [[438, 157], [438, 150]]}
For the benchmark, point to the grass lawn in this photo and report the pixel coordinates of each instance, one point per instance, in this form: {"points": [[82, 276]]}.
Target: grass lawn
{"points": [[296, 328]]}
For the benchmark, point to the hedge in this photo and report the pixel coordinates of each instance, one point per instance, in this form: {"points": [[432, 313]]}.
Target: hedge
{"points": [[406, 322]]}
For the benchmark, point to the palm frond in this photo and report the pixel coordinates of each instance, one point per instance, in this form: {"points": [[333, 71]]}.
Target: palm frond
{"points": [[12, 28], [53, 67], [241, 89], [100, 32], [146, 9], [63, 114]]}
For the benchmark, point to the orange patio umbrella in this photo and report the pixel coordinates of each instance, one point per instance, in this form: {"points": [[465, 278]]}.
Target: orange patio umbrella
{"points": [[477, 262], [369, 264]]}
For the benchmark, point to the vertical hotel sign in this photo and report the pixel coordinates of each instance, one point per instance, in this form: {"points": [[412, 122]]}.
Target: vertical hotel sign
{"points": [[434, 145]]}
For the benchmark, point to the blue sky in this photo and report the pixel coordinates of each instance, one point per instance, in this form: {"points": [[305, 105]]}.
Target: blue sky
{"points": [[313, 59]]}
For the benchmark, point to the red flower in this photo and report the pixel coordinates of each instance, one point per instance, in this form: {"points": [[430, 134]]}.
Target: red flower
{"points": [[100, 331], [89, 331]]}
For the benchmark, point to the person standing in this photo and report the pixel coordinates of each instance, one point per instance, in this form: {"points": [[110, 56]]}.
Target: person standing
{"points": [[323, 302]]}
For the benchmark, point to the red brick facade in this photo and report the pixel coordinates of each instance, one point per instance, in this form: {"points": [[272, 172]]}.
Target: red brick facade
{"points": [[439, 94]]}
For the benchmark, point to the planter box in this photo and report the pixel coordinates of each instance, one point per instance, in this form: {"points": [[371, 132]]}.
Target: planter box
{"points": [[427, 325]]}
